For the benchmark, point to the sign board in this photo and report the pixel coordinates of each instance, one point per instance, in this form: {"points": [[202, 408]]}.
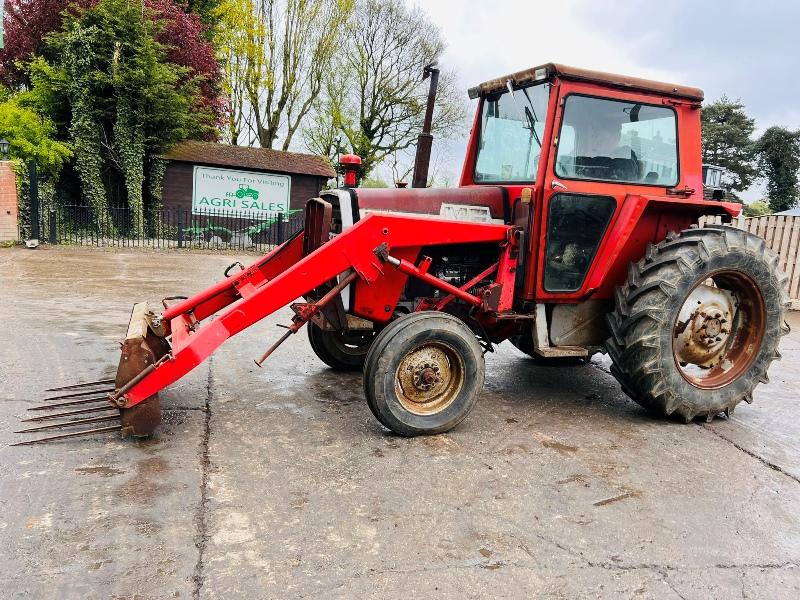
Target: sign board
{"points": [[239, 193]]}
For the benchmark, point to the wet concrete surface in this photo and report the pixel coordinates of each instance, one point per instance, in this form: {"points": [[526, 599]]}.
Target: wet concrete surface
{"points": [[278, 482]]}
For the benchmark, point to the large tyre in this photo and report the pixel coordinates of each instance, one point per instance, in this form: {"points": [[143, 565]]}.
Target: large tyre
{"points": [[340, 350], [698, 322], [423, 373]]}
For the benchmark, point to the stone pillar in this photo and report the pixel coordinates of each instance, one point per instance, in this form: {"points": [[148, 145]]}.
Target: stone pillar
{"points": [[9, 228]]}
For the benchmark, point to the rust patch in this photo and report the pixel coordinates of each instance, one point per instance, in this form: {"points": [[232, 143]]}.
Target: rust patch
{"points": [[152, 465], [571, 479], [102, 471], [559, 447], [607, 501]]}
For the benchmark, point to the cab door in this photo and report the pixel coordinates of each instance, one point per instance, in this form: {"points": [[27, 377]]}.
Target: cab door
{"points": [[607, 146]]}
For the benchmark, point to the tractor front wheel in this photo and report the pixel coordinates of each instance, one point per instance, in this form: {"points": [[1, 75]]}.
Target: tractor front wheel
{"points": [[340, 350], [698, 322], [423, 374]]}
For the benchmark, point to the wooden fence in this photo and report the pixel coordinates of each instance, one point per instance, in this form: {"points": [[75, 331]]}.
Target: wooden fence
{"points": [[782, 234]]}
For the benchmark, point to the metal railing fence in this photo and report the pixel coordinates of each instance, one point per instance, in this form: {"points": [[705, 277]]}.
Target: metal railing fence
{"points": [[168, 228]]}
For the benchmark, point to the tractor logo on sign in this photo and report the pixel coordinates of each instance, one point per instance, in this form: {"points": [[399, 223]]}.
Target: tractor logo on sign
{"points": [[245, 190], [240, 193]]}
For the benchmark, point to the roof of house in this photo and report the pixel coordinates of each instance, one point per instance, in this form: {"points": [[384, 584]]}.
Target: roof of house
{"points": [[548, 70], [242, 157], [792, 212]]}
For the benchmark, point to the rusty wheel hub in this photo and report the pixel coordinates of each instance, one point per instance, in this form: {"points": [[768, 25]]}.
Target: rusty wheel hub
{"points": [[429, 378], [718, 329], [426, 377], [704, 326]]}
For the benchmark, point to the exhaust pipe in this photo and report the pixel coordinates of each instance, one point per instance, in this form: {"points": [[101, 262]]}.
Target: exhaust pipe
{"points": [[425, 140]]}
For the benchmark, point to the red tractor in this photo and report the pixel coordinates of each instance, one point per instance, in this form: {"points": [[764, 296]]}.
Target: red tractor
{"points": [[573, 232]]}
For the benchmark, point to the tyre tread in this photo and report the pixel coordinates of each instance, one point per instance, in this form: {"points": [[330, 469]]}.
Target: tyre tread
{"points": [[637, 319]]}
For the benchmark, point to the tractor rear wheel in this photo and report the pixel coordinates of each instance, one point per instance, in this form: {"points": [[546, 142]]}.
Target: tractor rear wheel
{"points": [[340, 350], [423, 374], [698, 322]]}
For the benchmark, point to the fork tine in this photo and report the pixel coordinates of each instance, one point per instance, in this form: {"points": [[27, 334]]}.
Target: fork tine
{"points": [[71, 403], [69, 414], [68, 435], [70, 424], [80, 385], [79, 394]]}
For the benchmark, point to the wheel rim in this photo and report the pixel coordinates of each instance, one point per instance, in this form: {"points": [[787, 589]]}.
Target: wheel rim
{"points": [[429, 378], [352, 343], [719, 329]]}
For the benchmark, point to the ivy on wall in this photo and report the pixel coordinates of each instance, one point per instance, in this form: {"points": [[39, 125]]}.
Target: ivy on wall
{"points": [[129, 144], [47, 200], [157, 168], [77, 65], [121, 102]]}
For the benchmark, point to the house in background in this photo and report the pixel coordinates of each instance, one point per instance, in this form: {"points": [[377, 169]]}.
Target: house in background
{"points": [[792, 212], [237, 179]]}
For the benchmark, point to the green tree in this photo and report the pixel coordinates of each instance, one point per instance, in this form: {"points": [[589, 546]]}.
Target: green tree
{"points": [[373, 182], [778, 153], [375, 98], [276, 54], [31, 137], [122, 100], [727, 133], [757, 209], [209, 13]]}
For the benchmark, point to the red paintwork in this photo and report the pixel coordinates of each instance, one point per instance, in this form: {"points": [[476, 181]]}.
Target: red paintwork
{"points": [[643, 214], [280, 287], [350, 165], [428, 201]]}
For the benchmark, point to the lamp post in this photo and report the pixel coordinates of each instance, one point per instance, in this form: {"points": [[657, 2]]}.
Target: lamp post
{"points": [[4, 148]]}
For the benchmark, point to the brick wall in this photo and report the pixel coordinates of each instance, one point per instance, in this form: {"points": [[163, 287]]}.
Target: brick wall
{"points": [[8, 203]]}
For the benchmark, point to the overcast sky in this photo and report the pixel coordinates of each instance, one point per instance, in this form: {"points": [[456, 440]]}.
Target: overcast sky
{"points": [[743, 49]]}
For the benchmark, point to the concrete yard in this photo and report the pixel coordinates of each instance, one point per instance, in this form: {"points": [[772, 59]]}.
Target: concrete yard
{"points": [[279, 483]]}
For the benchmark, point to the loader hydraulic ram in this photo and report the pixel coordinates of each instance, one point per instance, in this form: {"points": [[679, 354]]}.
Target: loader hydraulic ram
{"points": [[573, 231]]}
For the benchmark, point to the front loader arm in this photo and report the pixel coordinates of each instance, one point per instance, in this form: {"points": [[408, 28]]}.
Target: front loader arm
{"points": [[293, 275], [218, 296]]}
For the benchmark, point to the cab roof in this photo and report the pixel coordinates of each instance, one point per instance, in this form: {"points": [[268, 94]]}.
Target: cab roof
{"points": [[550, 70]]}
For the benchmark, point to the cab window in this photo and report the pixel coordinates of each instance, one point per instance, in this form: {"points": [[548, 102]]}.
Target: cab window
{"points": [[613, 140], [575, 227], [510, 136]]}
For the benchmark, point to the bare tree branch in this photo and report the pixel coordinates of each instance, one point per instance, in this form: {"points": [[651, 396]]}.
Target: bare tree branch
{"points": [[374, 96]]}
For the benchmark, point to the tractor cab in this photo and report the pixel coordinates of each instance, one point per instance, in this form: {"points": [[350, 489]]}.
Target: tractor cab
{"points": [[575, 150]]}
